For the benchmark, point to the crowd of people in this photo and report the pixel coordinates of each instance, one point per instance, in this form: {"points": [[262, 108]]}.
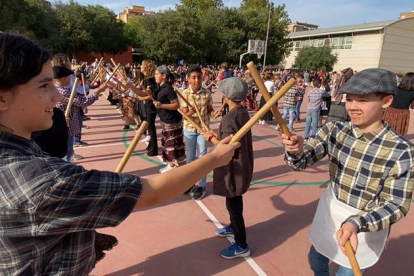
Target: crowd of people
{"points": [[52, 207]]}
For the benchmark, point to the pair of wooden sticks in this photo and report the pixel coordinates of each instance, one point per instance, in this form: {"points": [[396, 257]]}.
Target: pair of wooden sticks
{"points": [[203, 128]]}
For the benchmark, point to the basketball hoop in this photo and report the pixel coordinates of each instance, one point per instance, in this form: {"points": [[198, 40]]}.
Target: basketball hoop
{"points": [[259, 55]]}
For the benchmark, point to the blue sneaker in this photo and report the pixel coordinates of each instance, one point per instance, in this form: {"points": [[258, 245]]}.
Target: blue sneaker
{"points": [[235, 251], [225, 232]]}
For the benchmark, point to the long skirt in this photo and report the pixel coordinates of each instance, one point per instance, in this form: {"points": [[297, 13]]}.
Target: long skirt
{"points": [[127, 108], [172, 141], [398, 119]]}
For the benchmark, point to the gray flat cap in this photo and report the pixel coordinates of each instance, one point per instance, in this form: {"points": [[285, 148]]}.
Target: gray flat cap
{"points": [[234, 88], [370, 81]]}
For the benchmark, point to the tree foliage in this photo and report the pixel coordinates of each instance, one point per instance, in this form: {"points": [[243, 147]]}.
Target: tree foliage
{"points": [[196, 31], [316, 59]]}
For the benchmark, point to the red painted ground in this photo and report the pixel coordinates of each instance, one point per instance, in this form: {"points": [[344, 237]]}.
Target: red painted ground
{"points": [[177, 238]]}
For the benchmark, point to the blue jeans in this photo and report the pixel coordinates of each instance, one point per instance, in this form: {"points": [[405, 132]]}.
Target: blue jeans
{"points": [[71, 152], [298, 104], [194, 141], [291, 112], [312, 118], [320, 265]]}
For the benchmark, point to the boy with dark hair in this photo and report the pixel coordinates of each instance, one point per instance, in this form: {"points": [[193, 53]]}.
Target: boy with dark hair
{"points": [[371, 172], [233, 180], [201, 97]]}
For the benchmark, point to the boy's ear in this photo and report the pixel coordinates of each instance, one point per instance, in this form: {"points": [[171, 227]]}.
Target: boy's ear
{"points": [[387, 101], [6, 98]]}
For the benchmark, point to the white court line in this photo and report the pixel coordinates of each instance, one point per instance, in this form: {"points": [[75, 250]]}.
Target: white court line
{"points": [[210, 215], [99, 146], [248, 259]]}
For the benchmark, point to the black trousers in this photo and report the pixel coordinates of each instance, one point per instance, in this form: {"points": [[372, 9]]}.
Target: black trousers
{"points": [[235, 207], [152, 149]]}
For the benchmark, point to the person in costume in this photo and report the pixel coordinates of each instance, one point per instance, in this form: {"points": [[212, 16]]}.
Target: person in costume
{"points": [[51, 208], [371, 171]]}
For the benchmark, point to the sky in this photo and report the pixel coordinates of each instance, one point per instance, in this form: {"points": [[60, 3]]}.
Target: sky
{"points": [[324, 13]]}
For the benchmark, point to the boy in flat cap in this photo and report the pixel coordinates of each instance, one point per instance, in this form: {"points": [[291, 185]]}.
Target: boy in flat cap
{"points": [[371, 175], [233, 180]]}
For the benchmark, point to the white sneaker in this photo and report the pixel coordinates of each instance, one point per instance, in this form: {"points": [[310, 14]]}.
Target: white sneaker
{"points": [[277, 127], [77, 157], [166, 169], [133, 126], [146, 138]]}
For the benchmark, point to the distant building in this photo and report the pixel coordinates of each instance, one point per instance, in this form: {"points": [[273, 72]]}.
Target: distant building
{"points": [[405, 15], [385, 44], [133, 11], [299, 27]]}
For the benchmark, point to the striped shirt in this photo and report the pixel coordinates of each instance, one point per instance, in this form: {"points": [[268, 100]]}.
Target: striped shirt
{"points": [[373, 172], [75, 120], [49, 209], [203, 100]]}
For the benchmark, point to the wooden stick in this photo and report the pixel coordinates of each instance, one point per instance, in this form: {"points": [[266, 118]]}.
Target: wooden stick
{"points": [[99, 64], [199, 114], [214, 140], [71, 98], [131, 147], [122, 72], [148, 93], [352, 259], [266, 96], [182, 97], [97, 74], [113, 62], [263, 111], [222, 106], [113, 73], [84, 84]]}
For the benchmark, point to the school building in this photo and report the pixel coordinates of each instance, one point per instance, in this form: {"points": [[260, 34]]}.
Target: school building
{"points": [[386, 44]]}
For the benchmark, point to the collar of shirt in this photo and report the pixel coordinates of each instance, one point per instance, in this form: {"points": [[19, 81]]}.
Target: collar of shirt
{"points": [[370, 136], [196, 92], [11, 141]]}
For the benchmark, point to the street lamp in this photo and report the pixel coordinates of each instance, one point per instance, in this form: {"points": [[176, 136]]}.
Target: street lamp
{"points": [[267, 34]]}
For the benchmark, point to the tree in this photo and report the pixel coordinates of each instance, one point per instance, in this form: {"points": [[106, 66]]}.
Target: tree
{"points": [[201, 6], [14, 16], [255, 27], [316, 59], [44, 25], [254, 4], [74, 20], [106, 32]]}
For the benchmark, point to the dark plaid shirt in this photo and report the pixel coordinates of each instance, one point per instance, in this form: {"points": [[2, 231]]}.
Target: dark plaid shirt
{"points": [[75, 121], [289, 100], [49, 210], [373, 172]]}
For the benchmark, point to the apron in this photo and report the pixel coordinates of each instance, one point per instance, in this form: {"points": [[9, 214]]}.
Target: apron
{"points": [[330, 215]]}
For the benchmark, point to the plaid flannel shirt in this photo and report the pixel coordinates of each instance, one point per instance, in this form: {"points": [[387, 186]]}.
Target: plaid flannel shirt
{"points": [[315, 97], [203, 100], [75, 120], [373, 172], [49, 210], [289, 100]]}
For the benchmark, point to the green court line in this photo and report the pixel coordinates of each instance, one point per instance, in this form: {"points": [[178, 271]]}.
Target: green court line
{"points": [[254, 182]]}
